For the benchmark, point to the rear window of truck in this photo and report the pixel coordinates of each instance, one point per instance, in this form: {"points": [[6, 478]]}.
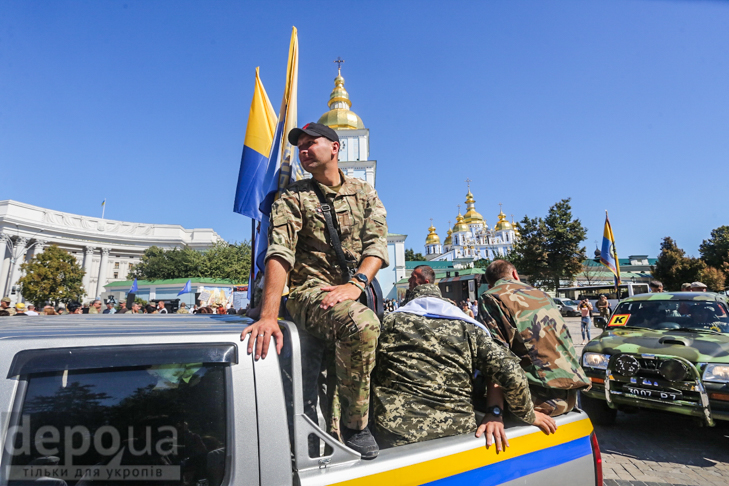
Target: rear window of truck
{"points": [[157, 424]]}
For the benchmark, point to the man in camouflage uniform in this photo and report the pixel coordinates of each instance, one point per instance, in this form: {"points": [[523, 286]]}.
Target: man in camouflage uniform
{"points": [[423, 382], [322, 298], [528, 321]]}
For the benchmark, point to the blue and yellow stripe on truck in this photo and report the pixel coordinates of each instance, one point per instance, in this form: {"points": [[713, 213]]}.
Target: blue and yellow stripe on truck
{"points": [[526, 455]]}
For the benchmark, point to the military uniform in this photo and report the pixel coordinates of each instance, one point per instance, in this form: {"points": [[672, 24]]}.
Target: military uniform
{"points": [[528, 321], [183, 310], [424, 377], [298, 235], [93, 310]]}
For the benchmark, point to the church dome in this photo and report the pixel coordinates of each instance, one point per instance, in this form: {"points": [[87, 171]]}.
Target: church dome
{"points": [[339, 116], [460, 224], [449, 238], [433, 238], [471, 215], [503, 224]]}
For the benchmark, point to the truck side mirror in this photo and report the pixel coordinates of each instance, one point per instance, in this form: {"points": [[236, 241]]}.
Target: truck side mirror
{"points": [[600, 322]]}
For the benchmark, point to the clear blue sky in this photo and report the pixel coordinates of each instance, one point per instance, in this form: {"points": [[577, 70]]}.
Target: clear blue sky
{"points": [[620, 105]]}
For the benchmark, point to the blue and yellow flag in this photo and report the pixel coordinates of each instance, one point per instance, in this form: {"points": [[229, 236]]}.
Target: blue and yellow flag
{"points": [[284, 166], [608, 254], [254, 165], [187, 288]]}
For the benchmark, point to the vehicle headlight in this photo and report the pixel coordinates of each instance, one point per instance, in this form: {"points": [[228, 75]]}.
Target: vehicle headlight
{"points": [[595, 360], [717, 372]]}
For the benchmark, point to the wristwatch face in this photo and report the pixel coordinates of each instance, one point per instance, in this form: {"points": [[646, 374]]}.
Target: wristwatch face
{"points": [[495, 411], [361, 277]]}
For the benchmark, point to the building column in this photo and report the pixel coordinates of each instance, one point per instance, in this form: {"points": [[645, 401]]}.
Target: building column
{"points": [[16, 260], [88, 258], [4, 239], [102, 271]]}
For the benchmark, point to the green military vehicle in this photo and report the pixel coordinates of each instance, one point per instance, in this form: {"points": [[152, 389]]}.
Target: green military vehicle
{"points": [[664, 351]]}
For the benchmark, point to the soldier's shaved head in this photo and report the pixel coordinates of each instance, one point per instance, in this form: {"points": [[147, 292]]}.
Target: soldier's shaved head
{"points": [[427, 272], [497, 270]]}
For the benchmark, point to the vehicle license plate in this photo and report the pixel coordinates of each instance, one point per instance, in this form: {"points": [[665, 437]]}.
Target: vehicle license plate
{"points": [[644, 393]]}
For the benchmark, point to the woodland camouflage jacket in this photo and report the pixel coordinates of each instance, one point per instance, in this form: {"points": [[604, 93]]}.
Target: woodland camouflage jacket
{"points": [[528, 321]]}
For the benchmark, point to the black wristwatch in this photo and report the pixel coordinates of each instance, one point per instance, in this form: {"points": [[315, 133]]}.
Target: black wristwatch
{"points": [[495, 411], [362, 278]]}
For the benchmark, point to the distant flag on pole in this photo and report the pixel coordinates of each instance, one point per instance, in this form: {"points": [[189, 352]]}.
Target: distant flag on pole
{"points": [[254, 161], [187, 288], [103, 203], [283, 167], [134, 288], [608, 254]]}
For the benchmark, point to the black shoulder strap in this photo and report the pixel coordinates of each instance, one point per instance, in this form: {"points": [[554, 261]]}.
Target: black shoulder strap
{"points": [[329, 217]]}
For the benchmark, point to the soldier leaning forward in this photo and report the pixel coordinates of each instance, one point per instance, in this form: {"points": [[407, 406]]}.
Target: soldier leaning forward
{"points": [[528, 321], [423, 383], [322, 300]]}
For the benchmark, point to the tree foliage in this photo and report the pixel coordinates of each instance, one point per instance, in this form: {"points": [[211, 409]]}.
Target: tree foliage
{"points": [[53, 275], [674, 268], [715, 250], [222, 261], [549, 249], [411, 256]]}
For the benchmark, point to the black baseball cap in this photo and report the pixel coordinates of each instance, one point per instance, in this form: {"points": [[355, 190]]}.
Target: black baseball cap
{"points": [[315, 130]]}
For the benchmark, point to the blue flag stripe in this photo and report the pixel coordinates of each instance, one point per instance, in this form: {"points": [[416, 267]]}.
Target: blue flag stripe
{"points": [[250, 189]]}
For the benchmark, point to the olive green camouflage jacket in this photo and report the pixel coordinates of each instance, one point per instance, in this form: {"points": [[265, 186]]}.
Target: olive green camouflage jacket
{"points": [[423, 381], [528, 321], [298, 232]]}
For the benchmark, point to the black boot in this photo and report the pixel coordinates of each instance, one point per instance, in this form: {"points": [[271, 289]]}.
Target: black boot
{"points": [[361, 441]]}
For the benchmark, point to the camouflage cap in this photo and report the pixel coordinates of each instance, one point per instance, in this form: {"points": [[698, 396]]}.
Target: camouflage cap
{"points": [[698, 285], [6, 300]]}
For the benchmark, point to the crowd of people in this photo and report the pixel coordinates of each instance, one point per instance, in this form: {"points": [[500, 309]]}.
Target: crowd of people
{"points": [[97, 307]]}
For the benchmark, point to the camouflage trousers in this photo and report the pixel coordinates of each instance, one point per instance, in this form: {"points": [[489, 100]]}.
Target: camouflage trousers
{"points": [[349, 330], [553, 401]]}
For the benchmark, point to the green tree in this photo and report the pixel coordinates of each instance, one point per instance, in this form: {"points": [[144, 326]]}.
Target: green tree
{"points": [[222, 261], [713, 278], [674, 268], [53, 275], [549, 249], [564, 236], [411, 256], [482, 263], [715, 250], [530, 251]]}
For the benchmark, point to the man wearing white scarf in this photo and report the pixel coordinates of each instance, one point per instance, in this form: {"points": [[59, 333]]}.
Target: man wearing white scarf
{"points": [[428, 353]]}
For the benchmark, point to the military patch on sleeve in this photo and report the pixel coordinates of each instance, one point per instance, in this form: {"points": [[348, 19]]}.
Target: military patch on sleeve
{"points": [[619, 320]]}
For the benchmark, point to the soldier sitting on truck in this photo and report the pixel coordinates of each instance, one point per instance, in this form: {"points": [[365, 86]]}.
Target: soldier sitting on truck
{"points": [[527, 320], [423, 383], [322, 297]]}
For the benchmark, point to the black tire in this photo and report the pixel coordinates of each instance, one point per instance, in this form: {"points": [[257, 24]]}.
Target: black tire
{"points": [[598, 410]]}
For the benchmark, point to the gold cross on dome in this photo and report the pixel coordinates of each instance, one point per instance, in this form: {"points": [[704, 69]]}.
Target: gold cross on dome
{"points": [[459, 209], [500, 210], [468, 183], [339, 62], [431, 221]]}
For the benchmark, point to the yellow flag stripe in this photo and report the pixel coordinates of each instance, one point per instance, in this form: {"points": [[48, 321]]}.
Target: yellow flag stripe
{"points": [[261, 121]]}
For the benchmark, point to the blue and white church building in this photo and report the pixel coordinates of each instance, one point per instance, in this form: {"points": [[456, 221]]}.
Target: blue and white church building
{"points": [[471, 238]]}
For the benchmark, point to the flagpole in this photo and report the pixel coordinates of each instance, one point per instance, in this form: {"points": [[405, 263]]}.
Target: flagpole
{"points": [[253, 250]]}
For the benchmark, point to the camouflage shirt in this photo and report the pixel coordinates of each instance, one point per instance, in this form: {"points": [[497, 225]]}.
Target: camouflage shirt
{"points": [[527, 319], [423, 381], [298, 232]]}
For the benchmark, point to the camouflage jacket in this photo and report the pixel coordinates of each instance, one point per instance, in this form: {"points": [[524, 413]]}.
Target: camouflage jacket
{"points": [[298, 232], [423, 381], [528, 321]]}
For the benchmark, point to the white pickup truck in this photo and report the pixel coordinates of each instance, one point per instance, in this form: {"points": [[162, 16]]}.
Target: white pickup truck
{"points": [[176, 400]]}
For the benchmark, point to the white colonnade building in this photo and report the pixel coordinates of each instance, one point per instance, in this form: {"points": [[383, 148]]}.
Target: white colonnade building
{"points": [[106, 249]]}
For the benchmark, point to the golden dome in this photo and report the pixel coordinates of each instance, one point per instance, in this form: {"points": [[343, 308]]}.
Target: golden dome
{"points": [[433, 238], [460, 224], [471, 215], [503, 224], [449, 238], [339, 116]]}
